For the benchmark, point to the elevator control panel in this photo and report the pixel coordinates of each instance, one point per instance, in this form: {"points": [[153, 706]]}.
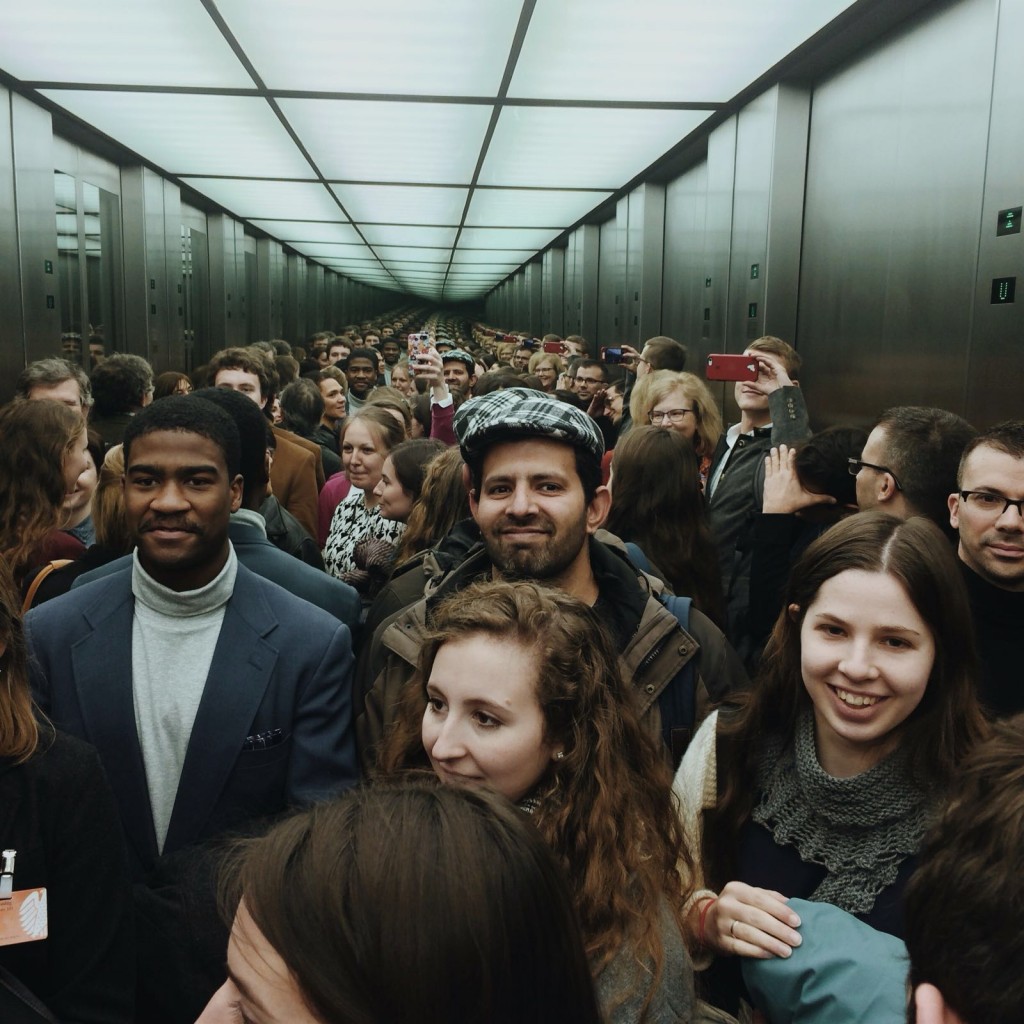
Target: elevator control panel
{"points": [[1009, 221], [1003, 289]]}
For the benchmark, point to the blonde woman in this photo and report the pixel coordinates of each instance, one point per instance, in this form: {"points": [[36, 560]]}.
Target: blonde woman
{"points": [[546, 367], [680, 402]]}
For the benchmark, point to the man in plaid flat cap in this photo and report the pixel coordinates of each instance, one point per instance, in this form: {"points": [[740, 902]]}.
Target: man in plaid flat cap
{"points": [[533, 472]]}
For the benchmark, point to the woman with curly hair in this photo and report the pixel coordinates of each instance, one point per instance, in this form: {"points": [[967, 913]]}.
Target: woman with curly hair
{"points": [[43, 449], [519, 689], [680, 402], [821, 783], [657, 505]]}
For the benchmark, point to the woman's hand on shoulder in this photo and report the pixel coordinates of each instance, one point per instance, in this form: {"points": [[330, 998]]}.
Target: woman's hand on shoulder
{"points": [[747, 921]]}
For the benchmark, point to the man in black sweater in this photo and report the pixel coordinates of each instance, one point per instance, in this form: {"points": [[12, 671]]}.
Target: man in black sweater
{"points": [[987, 510]]}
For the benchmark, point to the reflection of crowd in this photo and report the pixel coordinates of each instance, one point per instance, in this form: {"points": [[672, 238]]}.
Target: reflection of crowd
{"points": [[709, 705]]}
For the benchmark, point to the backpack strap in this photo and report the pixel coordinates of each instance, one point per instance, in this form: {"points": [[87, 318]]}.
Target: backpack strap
{"points": [[678, 701], [33, 587]]}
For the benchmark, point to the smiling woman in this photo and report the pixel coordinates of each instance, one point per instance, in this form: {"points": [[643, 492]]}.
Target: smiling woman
{"points": [[829, 772]]}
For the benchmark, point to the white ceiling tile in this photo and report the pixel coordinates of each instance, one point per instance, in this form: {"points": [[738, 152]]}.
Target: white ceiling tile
{"points": [[414, 47], [417, 253], [402, 204], [357, 140], [561, 147], [507, 238], [284, 201], [118, 42], [309, 231], [530, 207], [191, 134], [660, 50], [402, 234]]}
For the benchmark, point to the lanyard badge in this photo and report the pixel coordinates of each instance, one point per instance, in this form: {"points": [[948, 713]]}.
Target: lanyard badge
{"points": [[23, 916]]}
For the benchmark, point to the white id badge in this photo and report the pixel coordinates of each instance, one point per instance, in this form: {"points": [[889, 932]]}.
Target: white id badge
{"points": [[23, 917]]}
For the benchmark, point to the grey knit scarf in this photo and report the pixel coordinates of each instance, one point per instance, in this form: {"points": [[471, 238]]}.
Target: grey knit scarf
{"points": [[861, 828]]}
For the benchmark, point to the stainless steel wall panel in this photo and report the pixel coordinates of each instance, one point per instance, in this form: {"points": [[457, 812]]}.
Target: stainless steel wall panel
{"points": [[587, 258], [533, 274], [295, 306], [269, 286], [683, 290], [553, 306], [895, 173], [315, 295], [721, 170], [12, 321], [645, 253], [996, 358], [755, 131], [32, 150], [611, 309]]}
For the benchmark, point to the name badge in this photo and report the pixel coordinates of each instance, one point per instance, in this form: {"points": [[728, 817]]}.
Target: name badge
{"points": [[23, 917]]}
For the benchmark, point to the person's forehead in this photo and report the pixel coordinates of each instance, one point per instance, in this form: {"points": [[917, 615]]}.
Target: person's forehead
{"points": [[991, 467], [530, 454], [176, 448], [65, 389], [673, 398], [234, 375]]}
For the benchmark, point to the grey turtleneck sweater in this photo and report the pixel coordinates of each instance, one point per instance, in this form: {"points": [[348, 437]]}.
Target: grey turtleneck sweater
{"points": [[174, 636]]}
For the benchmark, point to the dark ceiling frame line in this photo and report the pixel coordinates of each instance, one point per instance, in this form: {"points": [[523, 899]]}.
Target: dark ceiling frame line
{"points": [[518, 38], [265, 92], [388, 184], [218, 19]]}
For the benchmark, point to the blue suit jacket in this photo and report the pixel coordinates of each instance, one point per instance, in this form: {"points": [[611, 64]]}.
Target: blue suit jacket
{"points": [[281, 668], [257, 553]]}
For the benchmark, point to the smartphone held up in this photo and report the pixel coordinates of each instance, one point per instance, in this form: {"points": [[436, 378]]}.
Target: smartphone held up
{"points": [[722, 366]]}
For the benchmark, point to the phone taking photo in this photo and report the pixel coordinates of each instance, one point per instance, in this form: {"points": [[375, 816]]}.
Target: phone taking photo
{"points": [[722, 366]]}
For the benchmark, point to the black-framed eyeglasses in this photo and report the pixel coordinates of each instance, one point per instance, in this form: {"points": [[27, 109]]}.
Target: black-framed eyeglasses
{"points": [[672, 415], [856, 465], [992, 504]]}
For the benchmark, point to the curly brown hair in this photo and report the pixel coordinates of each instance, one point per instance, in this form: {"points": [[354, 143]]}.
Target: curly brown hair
{"points": [[605, 808], [443, 501], [35, 438]]}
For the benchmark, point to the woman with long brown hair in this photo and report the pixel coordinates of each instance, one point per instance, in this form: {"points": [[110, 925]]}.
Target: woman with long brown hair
{"points": [[821, 783], [519, 689], [42, 454], [407, 904], [69, 878], [657, 505]]}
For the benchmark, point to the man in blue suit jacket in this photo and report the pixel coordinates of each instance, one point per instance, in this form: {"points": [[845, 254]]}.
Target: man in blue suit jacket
{"points": [[213, 696]]}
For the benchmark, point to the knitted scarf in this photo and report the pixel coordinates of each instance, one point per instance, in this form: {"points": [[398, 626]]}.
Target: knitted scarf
{"points": [[861, 828]]}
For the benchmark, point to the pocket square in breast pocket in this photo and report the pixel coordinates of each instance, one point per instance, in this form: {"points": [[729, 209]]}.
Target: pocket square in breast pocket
{"points": [[263, 740]]}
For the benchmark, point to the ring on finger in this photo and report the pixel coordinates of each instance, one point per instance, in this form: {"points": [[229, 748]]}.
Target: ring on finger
{"points": [[732, 929]]}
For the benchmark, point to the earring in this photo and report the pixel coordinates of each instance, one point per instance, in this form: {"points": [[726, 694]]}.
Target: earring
{"points": [[560, 755]]}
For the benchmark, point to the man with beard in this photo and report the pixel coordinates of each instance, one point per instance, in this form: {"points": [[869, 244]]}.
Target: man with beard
{"points": [[533, 473]]}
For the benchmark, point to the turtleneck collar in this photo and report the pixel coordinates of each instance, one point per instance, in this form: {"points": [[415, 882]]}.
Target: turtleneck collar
{"points": [[186, 603]]}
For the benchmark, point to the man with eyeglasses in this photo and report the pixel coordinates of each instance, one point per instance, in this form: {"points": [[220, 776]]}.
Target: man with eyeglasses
{"points": [[987, 511], [908, 462], [591, 379]]}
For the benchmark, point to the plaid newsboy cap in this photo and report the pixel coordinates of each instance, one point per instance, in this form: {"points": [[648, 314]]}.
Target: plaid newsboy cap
{"points": [[523, 413], [461, 355]]}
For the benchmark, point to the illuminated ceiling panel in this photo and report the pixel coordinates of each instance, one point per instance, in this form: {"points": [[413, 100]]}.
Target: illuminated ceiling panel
{"points": [[660, 51], [560, 147], [383, 234], [117, 42], [308, 231], [192, 134], [281, 200], [355, 140], [507, 238], [413, 47], [402, 204], [530, 207]]}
